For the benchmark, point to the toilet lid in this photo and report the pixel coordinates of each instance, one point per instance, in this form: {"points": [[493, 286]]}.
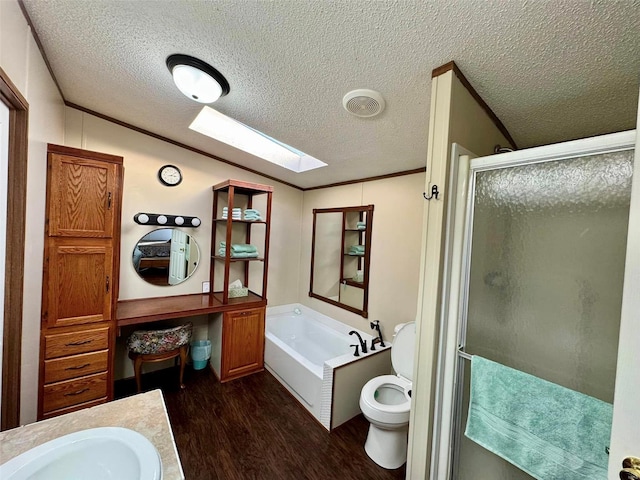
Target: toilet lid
{"points": [[403, 349]]}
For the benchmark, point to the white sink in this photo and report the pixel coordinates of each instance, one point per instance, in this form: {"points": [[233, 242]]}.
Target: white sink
{"points": [[94, 454]]}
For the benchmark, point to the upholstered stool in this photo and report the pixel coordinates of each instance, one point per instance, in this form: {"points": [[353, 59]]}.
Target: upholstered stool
{"points": [[159, 345]]}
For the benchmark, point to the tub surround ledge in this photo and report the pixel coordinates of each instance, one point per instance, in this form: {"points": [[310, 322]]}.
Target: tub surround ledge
{"points": [[145, 413]]}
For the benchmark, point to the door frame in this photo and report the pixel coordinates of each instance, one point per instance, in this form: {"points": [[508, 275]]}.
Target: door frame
{"points": [[625, 435], [456, 282], [454, 236], [14, 255]]}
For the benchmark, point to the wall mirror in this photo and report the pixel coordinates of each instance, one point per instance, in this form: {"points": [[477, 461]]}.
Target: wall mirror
{"points": [[166, 256], [340, 257]]}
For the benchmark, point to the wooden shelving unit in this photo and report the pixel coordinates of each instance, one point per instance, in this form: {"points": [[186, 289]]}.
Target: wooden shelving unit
{"points": [[238, 334], [356, 236], [239, 194]]}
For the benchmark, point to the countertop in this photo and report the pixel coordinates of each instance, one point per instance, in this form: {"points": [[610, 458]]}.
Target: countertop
{"points": [[145, 413]]}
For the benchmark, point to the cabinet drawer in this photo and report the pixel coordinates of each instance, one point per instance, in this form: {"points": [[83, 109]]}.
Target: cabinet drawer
{"points": [[65, 344], [76, 366], [70, 392]]}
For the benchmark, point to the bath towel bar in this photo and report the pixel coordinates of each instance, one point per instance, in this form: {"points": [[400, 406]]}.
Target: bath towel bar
{"points": [[463, 354]]}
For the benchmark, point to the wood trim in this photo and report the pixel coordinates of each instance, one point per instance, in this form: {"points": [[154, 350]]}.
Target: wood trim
{"points": [[14, 255], [368, 179], [34, 33], [84, 154], [494, 118]]}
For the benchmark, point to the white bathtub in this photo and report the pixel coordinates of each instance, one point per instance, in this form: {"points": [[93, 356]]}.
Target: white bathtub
{"points": [[309, 354]]}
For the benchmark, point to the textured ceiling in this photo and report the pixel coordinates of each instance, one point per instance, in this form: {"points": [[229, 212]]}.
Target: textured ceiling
{"points": [[551, 70]]}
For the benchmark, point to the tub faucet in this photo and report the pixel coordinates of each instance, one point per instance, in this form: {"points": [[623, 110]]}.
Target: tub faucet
{"points": [[363, 344], [374, 341], [375, 325]]}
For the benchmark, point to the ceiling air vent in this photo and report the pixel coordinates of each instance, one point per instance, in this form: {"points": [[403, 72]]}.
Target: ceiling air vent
{"points": [[363, 103]]}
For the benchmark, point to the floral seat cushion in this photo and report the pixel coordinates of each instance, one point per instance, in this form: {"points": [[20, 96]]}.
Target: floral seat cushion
{"points": [[159, 341]]}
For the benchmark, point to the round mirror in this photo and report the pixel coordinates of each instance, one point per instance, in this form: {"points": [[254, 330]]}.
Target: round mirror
{"points": [[166, 256]]}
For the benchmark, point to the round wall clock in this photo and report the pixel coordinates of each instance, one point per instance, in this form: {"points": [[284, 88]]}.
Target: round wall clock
{"points": [[170, 175]]}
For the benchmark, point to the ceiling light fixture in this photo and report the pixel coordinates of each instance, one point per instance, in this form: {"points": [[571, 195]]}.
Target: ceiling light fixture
{"points": [[196, 79]]}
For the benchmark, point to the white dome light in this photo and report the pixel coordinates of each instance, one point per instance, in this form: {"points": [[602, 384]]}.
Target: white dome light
{"points": [[196, 79], [162, 219], [179, 220]]}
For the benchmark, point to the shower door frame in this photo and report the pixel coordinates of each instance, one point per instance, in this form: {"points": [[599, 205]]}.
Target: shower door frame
{"points": [[448, 406]]}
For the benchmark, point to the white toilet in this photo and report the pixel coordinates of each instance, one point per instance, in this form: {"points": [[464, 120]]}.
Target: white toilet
{"points": [[385, 401]]}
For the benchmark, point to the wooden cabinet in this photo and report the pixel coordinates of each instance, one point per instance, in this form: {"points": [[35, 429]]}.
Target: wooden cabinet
{"points": [[82, 204], [242, 343], [80, 279]]}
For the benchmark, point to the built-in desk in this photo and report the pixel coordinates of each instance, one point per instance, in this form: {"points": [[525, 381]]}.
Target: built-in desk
{"points": [[145, 310]]}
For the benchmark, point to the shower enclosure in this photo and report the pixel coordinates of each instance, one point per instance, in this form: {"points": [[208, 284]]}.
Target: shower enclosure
{"points": [[536, 253]]}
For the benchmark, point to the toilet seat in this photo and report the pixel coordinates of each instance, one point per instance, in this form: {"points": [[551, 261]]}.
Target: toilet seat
{"points": [[402, 360], [381, 412]]}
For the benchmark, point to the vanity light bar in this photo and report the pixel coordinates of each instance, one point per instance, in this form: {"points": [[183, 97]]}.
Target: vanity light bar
{"points": [[166, 220]]}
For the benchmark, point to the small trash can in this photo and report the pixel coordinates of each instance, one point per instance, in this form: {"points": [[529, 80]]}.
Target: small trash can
{"points": [[200, 353]]}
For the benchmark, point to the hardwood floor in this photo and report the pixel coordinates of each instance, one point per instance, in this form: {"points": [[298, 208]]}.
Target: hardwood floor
{"points": [[252, 428]]}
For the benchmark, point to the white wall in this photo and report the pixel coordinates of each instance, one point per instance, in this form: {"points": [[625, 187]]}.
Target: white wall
{"points": [[21, 60], [395, 248]]}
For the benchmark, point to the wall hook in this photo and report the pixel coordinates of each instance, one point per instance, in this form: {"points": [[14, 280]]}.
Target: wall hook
{"points": [[434, 193]]}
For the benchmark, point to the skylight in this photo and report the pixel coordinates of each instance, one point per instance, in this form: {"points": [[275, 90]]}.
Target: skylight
{"points": [[225, 129]]}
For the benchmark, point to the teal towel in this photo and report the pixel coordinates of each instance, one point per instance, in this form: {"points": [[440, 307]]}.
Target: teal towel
{"points": [[549, 431], [223, 252], [243, 248], [244, 255]]}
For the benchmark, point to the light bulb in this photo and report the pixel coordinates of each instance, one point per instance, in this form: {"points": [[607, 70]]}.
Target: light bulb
{"points": [[196, 84], [143, 218], [179, 220], [162, 219], [195, 221]]}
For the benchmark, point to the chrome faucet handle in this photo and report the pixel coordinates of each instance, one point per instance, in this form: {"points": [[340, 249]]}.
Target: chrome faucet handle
{"points": [[356, 354]]}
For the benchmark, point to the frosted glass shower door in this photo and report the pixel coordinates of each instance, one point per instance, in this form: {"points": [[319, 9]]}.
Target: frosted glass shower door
{"points": [[543, 276]]}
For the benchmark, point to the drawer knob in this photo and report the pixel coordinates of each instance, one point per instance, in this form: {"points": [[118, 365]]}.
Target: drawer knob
{"points": [[72, 394], [79, 367], [75, 344]]}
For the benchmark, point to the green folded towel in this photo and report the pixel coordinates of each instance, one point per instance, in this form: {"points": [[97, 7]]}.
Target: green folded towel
{"points": [[243, 248], [549, 431], [223, 252], [244, 254]]}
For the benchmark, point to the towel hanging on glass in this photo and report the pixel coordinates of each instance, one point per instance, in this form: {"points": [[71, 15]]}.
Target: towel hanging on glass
{"points": [[549, 431]]}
